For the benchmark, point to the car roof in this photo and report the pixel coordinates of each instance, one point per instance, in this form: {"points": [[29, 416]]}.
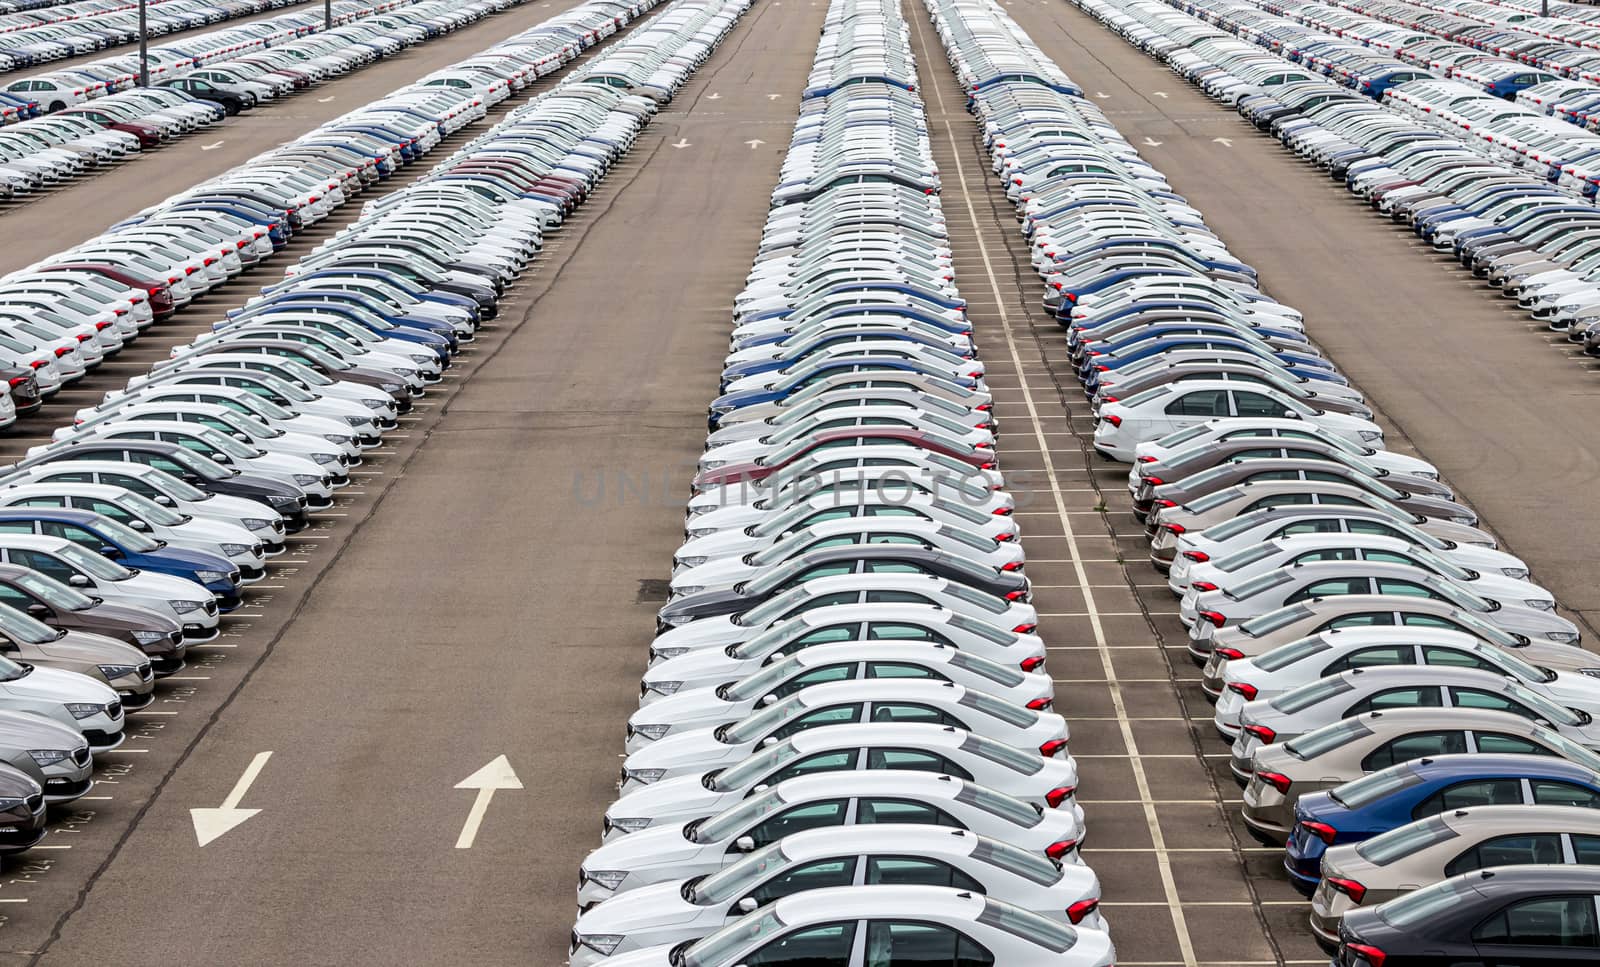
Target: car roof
{"points": [[1477, 763]]}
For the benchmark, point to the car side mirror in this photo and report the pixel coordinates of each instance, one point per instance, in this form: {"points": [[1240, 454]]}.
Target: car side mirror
{"points": [[222, 458], [106, 550], [164, 500], [39, 610], [138, 525], [747, 904], [769, 742], [241, 437], [745, 844], [79, 581], [768, 699]]}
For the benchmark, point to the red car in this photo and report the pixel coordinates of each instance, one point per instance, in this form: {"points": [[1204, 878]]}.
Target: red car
{"points": [[160, 291]]}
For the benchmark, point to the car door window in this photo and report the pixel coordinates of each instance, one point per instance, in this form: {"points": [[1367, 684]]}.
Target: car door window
{"points": [[1365, 619], [1400, 586], [43, 563], [1419, 696], [1202, 403], [798, 819], [1478, 698], [1454, 658], [894, 943], [1372, 527], [821, 636], [1415, 746], [1465, 795], [1284, 500], [892, 631], [1255, 404], [1559, 921], [914, 760], [71, 532], [1326, 554], [41, 502], [902, 811], [14, 598], [1308, 526], [816, 676], [915, 712], [817, 875], [834, 715], [1542, 848], [1428, 621], [917, 871], [1370, 657], [1586, 849], [1330, 587], [836, 761], [828, 945], [895, 669], [1550, 792], [1498, 743], [16, 527]]}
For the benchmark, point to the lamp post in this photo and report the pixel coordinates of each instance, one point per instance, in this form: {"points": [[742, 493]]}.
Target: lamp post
{"points": [[327, 13], [144, 47]]}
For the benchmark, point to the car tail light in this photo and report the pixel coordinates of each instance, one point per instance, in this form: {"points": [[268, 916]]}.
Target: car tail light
{"points": [[1059, 795], [1042, 704], [1278, 781], [1082, 909], [62, 351], [1372, 955], [1117, 399], [1176, 529], [1217, 618], [1049, 749], [1032, 664], [189, 270], [1002, 511], [1165, 503], [1261, 732], [170, 281], [1011, 566], [102, 324], [1321, 831], [1350, 888], [1112, 419], [987, 465], [1016, 595], [1155, 481], [83, 337], [984, 407], [1024, 629], [1199, 557], [18, 380], [1231, 654], [1203, 586], [39, 363], [1057, 850]]}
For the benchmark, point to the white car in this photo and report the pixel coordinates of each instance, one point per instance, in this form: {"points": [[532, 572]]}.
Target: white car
{"points": [[725, 508], [836, 703], [1049, 781], [821, 927], [679, 910], [1273, 430], [1122, 426], [91, 707], [866, 797]]}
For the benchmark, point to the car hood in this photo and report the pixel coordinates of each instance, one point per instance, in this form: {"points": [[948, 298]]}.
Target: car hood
{"points": [[675, 800], [662, 848], [19, 730], [657, 905], [696, 750], [705, 633], [120, 616], [94, 649], [701, 668], [52, 685]]}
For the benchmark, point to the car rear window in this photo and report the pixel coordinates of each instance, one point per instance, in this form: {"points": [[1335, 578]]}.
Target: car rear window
{"points": [[1057, 937], [1326, 739], [1370, 788], [1246, 557], [1399, 843], [1285, 655], [1302, 698], [1273, 620], [1417, 908]]}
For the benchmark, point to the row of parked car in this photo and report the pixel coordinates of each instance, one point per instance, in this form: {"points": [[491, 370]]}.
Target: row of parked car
{"points": [[125, 539], [1404, 705], [845, 750], [82, 27], [95, 115]]}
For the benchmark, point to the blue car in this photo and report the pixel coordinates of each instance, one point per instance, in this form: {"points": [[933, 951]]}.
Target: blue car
{"points": [[1393, 797], [129, 548], [728, 402]]}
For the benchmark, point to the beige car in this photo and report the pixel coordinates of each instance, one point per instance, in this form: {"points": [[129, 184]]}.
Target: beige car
{"points": [[125, 668], [1417, 854], [1282, 772]]}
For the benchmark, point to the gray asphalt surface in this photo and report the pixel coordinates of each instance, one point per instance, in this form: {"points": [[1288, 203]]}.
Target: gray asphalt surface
{"points": [[500, 564]]}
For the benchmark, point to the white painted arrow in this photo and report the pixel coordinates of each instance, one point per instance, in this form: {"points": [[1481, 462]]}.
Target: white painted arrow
{"points": [[755, 143], [1102, 95], [773, 97], [1161, 94], [682, 143], [212, 823], [1152, 142], [212, 146], [498, 774], [324, 100], [1225, 142], [713, 97]]}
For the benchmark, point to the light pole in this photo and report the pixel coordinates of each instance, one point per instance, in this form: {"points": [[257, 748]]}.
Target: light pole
{"points": [[327, 13], [144, 48]]}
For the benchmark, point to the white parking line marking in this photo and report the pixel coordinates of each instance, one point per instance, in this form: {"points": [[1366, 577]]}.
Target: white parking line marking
{"points": [[1141, 780]]}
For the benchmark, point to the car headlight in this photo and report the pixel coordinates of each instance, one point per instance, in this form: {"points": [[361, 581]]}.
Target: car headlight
{"points": [[1424, 474], [675, 620], [630, 824], [391, 387], [82, 710], [306, 479], [690, 561], [1370, 436], [645, 776], [652, 732], [357, 420], [323, 459], [185, 607], [1520, 573], [338, 438], [702, 532], [712, 464], [206, 577], [1463, 520], [660, 688], [236, 550], [1562, 637], [671, 652], [1540, 604], [117, 671], [48, 757], [419, 358], [689, 589], [610, 879], [256, 523], [375, 404], [149, 637], [601, 943], [280, 500], [6, 805]]}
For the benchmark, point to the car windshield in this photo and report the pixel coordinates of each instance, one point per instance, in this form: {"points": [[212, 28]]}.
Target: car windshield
{"points": [[1285, 655], [769, 640], [92, 564], [723, 946], [735, 881], [1415, 909], [148, 509], [23, 627], [53, 592], [763, 681], [747, 771], [1302, 698], [764, 614], [1320, 741], [10, 671], [1274, 620], [736, 819], [1403, 841], [125, 536], [1246, 557], [755, 726], [1370, 788]]}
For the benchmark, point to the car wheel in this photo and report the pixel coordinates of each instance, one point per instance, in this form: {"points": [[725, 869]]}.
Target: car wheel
{"points": [[57, 106]]}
